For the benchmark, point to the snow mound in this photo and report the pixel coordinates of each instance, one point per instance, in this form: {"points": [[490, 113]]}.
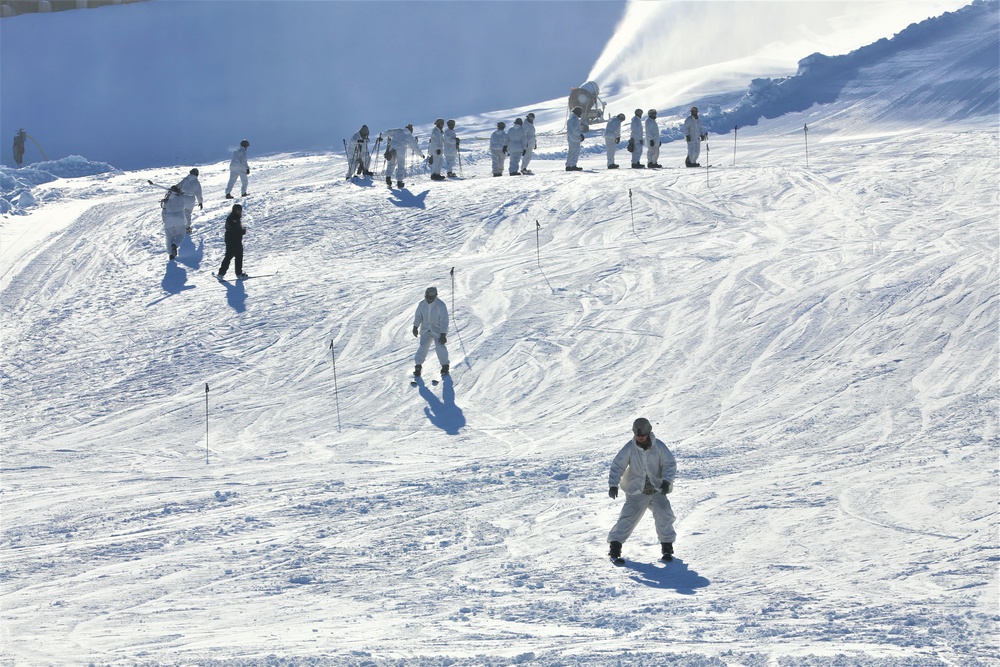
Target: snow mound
{"points": [[16, 184]]}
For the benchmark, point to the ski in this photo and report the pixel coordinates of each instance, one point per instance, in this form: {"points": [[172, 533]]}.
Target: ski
{"points": [[617, 560]]}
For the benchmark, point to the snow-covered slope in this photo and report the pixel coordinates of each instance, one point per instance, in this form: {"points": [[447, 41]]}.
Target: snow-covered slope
{"points": [[817, 345]]}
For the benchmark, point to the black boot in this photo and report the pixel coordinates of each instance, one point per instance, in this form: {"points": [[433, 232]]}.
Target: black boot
{"points": [[444, 369], [615, 550], [667, 548], [416, 371]]}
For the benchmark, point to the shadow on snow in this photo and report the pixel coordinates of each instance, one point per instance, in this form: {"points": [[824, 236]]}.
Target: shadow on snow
{"points": [[442, 412], [674, 575]]}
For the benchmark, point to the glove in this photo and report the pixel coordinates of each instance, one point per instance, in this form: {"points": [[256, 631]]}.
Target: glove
{"points": [[504, 150], [458, 142], [524, 152], [416, 332], [613, 492], [666, 487], [704, 137], [618, 140], [442, 338], [438, 151], [688, 138], [248, 170], [652, 143]]}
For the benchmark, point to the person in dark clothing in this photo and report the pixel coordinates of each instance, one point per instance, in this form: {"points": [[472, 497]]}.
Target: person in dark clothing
{"points": [[19, 146], [234, 242]]}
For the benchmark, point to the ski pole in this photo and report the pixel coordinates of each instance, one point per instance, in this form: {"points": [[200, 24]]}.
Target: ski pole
{"points": [[708, 162], [630, 210], [336, 391], [206, 423], [736, 128], [805, 129], [538, 247], [453, 292]]}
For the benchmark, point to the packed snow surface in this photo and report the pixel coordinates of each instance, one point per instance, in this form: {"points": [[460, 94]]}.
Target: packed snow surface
{"points": [[240, 473]]}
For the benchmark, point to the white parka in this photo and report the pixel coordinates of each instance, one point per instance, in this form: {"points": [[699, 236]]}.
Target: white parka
{"points": [[400, 139], [574, 128], [239, 161], [436, 143], [614, 128], [633, 465], [636, 129], [498, 140], [529, 135], [450, 142], [432, 316], [515, 138], [652, 132], [191, 189], [692, 128]]}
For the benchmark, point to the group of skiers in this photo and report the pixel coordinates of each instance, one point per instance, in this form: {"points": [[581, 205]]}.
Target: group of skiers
{"points": [[644, 136], [518, 144], [442, 152], [178, 206]]}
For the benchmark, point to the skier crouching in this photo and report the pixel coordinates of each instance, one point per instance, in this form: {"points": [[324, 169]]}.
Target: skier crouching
{"points": [[645, 468]]}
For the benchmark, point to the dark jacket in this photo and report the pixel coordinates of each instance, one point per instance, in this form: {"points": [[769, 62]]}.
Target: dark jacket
{"points": [[235, 229]]}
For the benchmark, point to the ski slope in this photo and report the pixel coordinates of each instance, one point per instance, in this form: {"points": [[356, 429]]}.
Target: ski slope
{"points": [[816, 343]]}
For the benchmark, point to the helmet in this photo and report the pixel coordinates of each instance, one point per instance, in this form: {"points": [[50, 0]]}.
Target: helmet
{"points": [[518, 121], [652, 113], [530, 117], [431, 291], [451, 123], [194, 172], [641, 426], [439, 122], [501, 125], [620, 116], [245, 144], [638, 112], [578, 111]]}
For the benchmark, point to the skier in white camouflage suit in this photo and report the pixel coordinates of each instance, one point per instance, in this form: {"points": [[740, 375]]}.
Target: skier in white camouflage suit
{"points": [[430, 323], [635, 140], [693, 135], [451, 144], [174, 222], [498, 147], [238, 168], [652, 140], [613, 135], [435, 149], [530, 143], [645, 470], [191, 188], [397, 141], [515, 146], [574, 139], [358, 157]]}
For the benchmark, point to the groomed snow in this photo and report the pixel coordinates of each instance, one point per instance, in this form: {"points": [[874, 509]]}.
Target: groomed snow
{"points": [[817, 343]]}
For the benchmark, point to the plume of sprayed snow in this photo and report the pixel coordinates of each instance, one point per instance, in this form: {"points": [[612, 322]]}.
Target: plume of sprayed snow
{"points": [[656, 39]]}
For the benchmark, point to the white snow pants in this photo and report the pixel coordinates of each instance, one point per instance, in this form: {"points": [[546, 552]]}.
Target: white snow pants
{"points": [[694, 149], [573, 152], [612, 147], [635, 506], [637, 152], [653, 154], [426, 336], [233, 175], [449, 162], [497, 162], [174, 228], [398, 163], [515, 161], [437, 161], [528, 153]]}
